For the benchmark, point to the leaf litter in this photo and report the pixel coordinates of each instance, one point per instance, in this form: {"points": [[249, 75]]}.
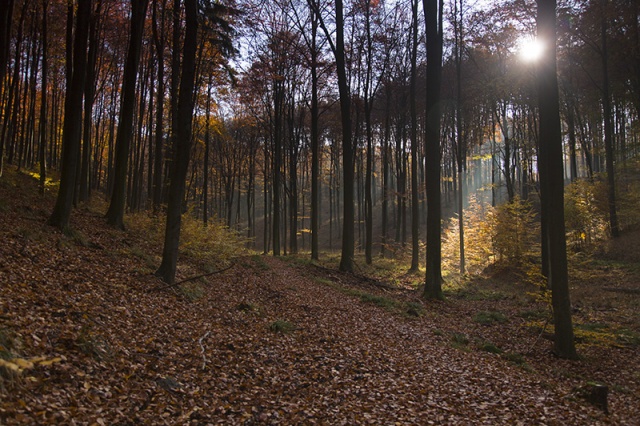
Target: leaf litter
{"points": [[95, 345]]}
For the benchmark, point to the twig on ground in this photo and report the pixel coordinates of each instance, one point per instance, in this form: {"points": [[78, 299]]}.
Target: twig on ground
{"points": [[204, 358], [219, 271], [544, 327]]}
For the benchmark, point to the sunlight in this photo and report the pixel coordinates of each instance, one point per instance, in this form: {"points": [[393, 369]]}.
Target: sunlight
{"points": [[530, 49]]}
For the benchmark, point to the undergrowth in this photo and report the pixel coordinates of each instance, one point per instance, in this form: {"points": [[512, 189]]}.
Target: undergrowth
{"points": [[211, 246]]}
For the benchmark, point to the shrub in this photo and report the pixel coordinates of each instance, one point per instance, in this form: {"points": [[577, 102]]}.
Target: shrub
{"points": [[515, 232], [211, 245], [477, 238], [586, 213]]}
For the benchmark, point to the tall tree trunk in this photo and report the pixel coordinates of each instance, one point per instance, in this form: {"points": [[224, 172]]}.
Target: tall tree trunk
{"points": [[159, 39], [89, 94], [278, 99], [461, 144], [315, 140], [386, 158], [115, 213], [433, 19], [369, 97], [608, 133], [552, 188], [6, 15], [72, 129], [348, 236], [207, 144], [43, 100], [184, 115], [415, 219]]}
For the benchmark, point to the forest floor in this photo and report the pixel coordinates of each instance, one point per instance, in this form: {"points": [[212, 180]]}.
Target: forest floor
{"points": [[89, 336]]}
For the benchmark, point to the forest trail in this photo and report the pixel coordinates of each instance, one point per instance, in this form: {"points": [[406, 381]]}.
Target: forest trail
{"points": [[269, 341]]}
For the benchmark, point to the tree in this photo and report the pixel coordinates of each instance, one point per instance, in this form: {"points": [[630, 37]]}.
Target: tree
{"points": [[552, 191], [43, 101], [182, 140], [415, 220], [461, 143], [433, 22], [89, 95], [348, 164], [115, 213], [159, 44], [72, 119], [607, 117]]}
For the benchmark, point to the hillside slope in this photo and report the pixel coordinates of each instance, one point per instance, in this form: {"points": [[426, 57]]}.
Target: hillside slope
{"points": [[269, 341]]}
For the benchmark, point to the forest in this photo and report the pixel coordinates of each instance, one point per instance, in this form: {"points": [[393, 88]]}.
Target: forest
{"points": [[392, 206]]}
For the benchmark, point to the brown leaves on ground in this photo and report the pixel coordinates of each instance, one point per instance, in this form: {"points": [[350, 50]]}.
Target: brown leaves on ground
{"points": [[269, 341]]}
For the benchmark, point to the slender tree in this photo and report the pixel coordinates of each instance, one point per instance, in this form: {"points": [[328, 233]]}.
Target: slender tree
{"points": [[159, 42], [115, 213], [551, 165], [608, 131], [43, 101], [180, 164], [415, 219], [89, 95], [72, 127]]}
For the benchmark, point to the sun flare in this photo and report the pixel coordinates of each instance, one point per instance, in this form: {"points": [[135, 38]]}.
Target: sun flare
{"points": [[531, 49]]}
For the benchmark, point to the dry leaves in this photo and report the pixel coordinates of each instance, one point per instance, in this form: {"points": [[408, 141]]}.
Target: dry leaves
{"points": [[100, 348]]}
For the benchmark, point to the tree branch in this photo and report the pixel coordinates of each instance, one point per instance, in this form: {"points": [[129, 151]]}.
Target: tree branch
{"points": [[219, 271]]}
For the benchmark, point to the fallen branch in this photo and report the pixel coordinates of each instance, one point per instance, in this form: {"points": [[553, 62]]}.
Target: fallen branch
{"points": [[219, 271], [204, 358], [544, 327]]}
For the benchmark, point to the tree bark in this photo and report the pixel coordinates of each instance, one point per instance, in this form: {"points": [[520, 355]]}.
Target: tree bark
{"points": [[415, 219], [315, 140], [552, 189], [608, 131], [184, 115], [115, 213], [348, 236], [43, 101], [433, 19], [72, 127], [89, 94]]}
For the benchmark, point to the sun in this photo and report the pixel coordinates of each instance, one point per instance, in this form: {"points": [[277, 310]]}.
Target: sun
{"points": [[530, 49]]}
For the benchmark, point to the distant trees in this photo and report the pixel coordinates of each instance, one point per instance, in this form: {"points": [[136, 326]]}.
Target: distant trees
{"points": [[345, 122]]}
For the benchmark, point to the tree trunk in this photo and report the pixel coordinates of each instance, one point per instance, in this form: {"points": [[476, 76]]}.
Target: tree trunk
{"points": [[115, 213], [159, 38], [461, 140], [315, 140], [43, 100], [608, 133], [184, 115], [89, 93], [433, 19], [552, 188], [415, 219], [72, 129], [348, 236]]}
